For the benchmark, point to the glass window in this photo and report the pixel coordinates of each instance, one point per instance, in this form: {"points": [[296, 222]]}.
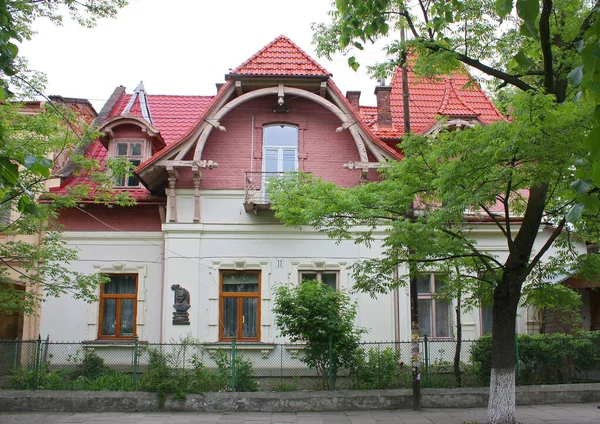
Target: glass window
{"points": [[486, 320], [280, 148], [434, 313], [240, 314], [328, 278], [118, 298], [132, 151]]}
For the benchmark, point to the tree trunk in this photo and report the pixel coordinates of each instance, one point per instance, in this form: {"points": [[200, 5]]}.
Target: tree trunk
{"points": [[501, 406], [457, 373]]}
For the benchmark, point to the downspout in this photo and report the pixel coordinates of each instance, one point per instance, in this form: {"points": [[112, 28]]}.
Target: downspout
{"points": [[163, 213], [396, 309], [252, 147]]}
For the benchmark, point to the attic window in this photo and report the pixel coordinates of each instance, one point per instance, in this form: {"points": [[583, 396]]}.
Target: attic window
{"points": [[132, 151]]}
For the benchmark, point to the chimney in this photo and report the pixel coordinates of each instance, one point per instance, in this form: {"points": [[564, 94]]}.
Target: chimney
{"points": [[353, 97], [384, 111]]}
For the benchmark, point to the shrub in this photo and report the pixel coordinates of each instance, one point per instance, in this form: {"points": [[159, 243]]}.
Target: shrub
{"points": [[313, 313], [91, 366], [545, 358], [244, 382], [377, 369]]}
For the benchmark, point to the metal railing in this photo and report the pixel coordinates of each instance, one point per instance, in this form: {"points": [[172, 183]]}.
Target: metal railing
{"points": [[238, 366], [255, 186]]}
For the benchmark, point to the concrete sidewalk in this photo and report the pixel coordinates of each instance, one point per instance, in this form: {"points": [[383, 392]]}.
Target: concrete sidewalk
{"points": [[583, 413]]}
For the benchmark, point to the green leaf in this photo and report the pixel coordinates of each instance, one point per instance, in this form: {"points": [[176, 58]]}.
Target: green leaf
{"points": [[528, 10], [341, 5], [581, 186], [575, 213], [529, 29], [503, 7], [523, 61], [352, 63], [596, 173], [575, 76], [579, 45], [9, 171]]}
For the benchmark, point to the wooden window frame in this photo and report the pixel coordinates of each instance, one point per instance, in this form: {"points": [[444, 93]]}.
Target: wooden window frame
{"points": [[319, 276], [103, 296], [433, 298], [129, 157], [240, 295]]}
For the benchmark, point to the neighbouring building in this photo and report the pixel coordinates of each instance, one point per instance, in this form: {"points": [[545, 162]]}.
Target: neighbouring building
{"points": [[200, 253]]}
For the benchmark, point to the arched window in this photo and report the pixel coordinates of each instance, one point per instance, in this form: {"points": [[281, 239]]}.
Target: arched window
{"points": [[280, 148]]}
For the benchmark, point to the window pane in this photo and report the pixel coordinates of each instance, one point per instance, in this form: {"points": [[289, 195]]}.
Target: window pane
{"points": [[425, 320], [280, 136], [230, 317], [486, 320], [270, 160], [329, 279], [120, 284], [289, 160], [308, 276], [109, 317], [136, 149], [440, 282], [127, 317], [423, 284], [442, 319], [122, 149], [250, 312], [242, 282]]}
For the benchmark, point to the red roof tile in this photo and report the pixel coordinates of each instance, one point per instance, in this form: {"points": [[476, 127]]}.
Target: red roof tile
{"points": [[281, 57], [172, 115], [456, 95]]}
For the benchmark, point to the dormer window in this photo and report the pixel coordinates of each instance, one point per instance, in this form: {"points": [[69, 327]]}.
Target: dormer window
{"points": [[280, 148], [133, 152]]}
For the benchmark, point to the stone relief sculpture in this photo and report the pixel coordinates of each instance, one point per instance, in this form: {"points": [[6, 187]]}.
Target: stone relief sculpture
{"points": [[181, 305]]}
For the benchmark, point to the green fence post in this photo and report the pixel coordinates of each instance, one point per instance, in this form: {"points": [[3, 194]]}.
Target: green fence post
{"points": [[233, 364], [36, 370], [426, 348], [330, 363], [16, 361], [517, 360], [135, 362]]}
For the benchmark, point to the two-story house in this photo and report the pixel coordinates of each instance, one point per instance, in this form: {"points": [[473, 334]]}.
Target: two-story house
{"points": [[201, 253]]}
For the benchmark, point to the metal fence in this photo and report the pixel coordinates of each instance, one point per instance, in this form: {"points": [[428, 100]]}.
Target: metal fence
{"points": [[202, 367]]}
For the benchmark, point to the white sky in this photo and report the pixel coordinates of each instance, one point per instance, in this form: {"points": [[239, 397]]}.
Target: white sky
{"points": [[179, 47]]}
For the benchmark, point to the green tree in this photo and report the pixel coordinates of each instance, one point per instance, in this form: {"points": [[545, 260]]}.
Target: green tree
{"points": [[313, 313], [516, 176], [35, 256], [535, 46]]}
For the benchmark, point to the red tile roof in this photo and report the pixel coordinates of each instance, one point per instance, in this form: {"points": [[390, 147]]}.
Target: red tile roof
{"points": [[456, 95], [281, 57], [172, 115]]}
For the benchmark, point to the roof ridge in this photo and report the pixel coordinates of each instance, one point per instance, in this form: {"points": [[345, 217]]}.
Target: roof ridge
{"points": [[451, 93], [279, 38]]}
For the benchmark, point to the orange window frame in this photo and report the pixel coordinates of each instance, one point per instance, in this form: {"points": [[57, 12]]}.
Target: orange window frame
{"points": [[104, 296], [240, 295]]}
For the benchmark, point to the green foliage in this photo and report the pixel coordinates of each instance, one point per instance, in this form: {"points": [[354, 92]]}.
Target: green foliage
{"points": [[313, 313], [545, 358], [244, 371], [377, 369], [91, 366]]}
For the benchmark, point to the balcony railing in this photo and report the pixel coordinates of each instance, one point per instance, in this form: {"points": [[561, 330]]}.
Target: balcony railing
{"points": [[255, 193]]}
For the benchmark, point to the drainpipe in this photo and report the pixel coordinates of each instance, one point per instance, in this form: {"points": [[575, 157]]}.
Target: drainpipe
{"points": [[164, 277], [396, 309]]}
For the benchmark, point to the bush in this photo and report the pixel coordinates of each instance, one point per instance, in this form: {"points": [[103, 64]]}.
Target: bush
{"points": [[91, 366], [313, 313], [545, 358], [377, 369]]}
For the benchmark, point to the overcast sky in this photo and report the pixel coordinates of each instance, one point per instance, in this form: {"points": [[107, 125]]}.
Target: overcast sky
{"points": [[179, 47]]}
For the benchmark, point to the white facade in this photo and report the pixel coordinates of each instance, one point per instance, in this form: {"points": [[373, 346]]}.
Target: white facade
{"points": [[228, 238]]}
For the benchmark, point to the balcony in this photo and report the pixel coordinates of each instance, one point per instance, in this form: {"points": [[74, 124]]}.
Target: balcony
{"points": [[255, 194]]}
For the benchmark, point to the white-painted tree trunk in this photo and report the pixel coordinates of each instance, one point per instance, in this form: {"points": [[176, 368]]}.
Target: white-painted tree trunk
{"points": [[502, 391]]}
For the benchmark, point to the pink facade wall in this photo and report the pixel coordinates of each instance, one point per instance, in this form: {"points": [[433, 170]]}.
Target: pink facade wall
{"points": [[322, 150], [138, 218]]}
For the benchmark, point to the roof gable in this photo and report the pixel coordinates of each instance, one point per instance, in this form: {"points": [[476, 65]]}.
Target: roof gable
{"points": [[281, 57]]}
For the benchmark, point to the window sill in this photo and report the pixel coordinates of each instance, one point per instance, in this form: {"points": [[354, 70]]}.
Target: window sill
{"points": [[112, 343], [264, 348]]}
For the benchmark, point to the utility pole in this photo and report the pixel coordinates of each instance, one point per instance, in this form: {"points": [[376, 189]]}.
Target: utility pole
{"points": [[412, 268]]}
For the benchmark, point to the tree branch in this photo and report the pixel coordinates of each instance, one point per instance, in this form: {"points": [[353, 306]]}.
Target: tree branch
{"points": [[546, 46], [546, 245]]}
